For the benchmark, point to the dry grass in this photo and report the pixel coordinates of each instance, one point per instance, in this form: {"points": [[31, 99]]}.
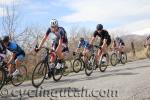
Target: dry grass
{"points": [[139, 55]]}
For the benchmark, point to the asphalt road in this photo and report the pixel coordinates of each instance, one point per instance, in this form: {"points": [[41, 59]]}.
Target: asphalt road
{"points": [[123, 82]]}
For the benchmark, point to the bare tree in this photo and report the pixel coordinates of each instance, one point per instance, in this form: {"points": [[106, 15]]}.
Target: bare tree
{"points": [[10, 21]]}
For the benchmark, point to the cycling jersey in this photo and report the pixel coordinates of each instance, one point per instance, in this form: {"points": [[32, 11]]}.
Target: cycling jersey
{"points": [[15, 48], [60, 34], [103, 35], [83, 44]]}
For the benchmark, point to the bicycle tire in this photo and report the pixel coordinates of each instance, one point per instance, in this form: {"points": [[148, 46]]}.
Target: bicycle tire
{"points": [[112, 57], [89, 67], [56, 71], [101, 66], [43, 73], [22, 76], [80, 63], [123, 62], [2, 79]]}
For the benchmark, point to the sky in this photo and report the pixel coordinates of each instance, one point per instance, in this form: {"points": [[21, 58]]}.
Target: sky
{"points": [[130, 16]]}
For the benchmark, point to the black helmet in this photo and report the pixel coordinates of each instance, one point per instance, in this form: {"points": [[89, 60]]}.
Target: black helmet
{"points": [[81, 39], [5, 39], [99, 27]]}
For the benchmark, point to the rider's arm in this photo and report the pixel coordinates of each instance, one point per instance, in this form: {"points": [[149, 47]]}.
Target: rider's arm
{"points": [[92, 40], [44, 38], [78, 47], [12, 58], [113, 44], [104, 43], [42, 42]]}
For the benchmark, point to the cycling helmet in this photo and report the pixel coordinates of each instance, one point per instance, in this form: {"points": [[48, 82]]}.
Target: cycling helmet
{"points": [[81, 39], [5, 39], [99, 27], [54, 22]]}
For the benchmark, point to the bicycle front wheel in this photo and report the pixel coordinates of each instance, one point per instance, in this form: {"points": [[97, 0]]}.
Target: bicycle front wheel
{"points": [[103, 65], [123, 58], [77, 65], [114, 59], [39, 74], [90, 65], [2, 78]]}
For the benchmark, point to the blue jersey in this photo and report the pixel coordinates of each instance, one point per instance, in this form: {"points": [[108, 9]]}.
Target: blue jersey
{"points": [[83, 44], [15, 48]]}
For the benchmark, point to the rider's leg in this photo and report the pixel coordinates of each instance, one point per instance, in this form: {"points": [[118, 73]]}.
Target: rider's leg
{"points": [[60, 55], [59, 51], [52, 57], [18, 62], [106, 50], [10, 69], [52, 60], [84, 54], [98, 55]]}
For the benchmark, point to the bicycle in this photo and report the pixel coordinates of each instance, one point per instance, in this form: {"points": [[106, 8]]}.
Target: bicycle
{"points": [[94, 64], [117, 57], [5, 78], [78, 63], [42, 68]]}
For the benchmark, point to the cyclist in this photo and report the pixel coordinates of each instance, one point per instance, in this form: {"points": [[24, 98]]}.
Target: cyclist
{"points": [[59, 43], [118, 44], [85, 45], [105, 40], [17, 56], [147, 41]]}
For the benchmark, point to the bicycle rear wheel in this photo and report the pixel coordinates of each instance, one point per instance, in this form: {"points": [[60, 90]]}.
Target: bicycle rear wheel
{"points": [[18, 80], [114, 59], [39, 74], [67, 68], [57, 73], [103, 65]]}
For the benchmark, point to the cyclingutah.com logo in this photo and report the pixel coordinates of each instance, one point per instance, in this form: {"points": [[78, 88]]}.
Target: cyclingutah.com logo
{"points": [[59, 93]]}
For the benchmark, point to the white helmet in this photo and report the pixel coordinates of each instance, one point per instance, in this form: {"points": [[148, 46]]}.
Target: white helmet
{"points": [[54, 22]]}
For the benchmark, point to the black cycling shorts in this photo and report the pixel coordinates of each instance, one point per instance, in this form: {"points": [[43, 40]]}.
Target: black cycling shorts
{"points": [[108, 42], [123, 44]]}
